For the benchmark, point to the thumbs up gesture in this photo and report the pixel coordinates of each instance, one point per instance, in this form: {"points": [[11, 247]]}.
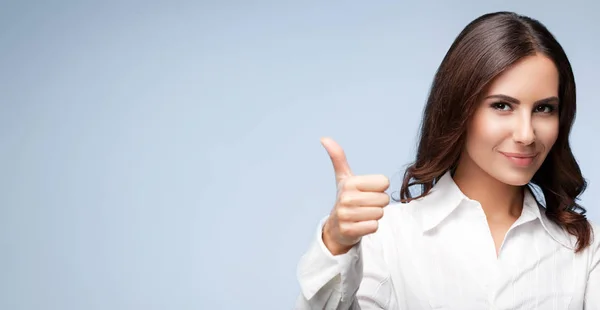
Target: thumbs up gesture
{"points": [[359, 204]]}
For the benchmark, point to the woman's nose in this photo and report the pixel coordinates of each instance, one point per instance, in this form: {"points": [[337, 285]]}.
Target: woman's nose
{"points": [[523, 132]]}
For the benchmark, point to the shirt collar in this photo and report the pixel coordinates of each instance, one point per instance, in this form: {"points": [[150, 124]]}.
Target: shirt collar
{"points": [[446, 196], [530, 204], [443, 198]]}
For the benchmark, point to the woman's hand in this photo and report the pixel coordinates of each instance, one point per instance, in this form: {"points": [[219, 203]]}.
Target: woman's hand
{"points": [[359, 204]]}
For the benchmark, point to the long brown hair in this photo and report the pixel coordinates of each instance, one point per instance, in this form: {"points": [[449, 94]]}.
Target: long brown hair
{"points": [[485, 48]]}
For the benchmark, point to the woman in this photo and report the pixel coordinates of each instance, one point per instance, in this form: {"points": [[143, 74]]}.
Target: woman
{"points": [[495, 224]]}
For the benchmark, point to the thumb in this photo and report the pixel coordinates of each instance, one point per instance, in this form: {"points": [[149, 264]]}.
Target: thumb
{"points": [[338, 158]]}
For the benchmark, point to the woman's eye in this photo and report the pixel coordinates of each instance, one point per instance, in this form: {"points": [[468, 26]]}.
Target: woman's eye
{"points": [[501, 106], [545, 108]]}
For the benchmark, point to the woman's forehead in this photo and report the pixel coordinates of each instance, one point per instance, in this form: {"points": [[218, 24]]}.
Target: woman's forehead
{"points": [[530, 79]]}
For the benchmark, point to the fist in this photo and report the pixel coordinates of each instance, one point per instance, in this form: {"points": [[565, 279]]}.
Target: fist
{"points": [[359, 204]]}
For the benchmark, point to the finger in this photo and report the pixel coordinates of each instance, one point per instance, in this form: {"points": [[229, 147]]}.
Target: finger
{"points": [[368, 183], [338, 158], [358, 229], [368, 199], [359, 214]]}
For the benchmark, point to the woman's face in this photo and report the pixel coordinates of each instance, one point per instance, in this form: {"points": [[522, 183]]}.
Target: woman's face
{"points": [[516, 124]]}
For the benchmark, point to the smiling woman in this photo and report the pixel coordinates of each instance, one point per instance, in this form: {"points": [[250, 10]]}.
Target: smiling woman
{"points": [[496, 126], [512, 129]]}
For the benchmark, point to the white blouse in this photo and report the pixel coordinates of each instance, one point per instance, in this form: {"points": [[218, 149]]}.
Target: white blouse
{"points": [[438, 253]]}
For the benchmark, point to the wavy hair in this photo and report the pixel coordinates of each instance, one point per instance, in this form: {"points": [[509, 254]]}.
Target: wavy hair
{"points": [[485, 48]]}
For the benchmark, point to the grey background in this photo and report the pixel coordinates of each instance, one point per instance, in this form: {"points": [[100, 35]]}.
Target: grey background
{"points": [[165, 155]]}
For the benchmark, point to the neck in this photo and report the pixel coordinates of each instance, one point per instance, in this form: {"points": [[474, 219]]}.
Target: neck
{"points": [[499, 201]]}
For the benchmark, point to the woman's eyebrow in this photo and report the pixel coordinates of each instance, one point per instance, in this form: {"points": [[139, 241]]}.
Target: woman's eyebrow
{"points": [[509, 99]]}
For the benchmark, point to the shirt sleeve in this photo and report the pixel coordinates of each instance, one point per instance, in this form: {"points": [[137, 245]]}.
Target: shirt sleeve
{"points": [[592, 291], [357, 279]]}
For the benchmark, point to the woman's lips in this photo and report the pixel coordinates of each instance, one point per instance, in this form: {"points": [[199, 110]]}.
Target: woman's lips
{"points": [[520, 159]]}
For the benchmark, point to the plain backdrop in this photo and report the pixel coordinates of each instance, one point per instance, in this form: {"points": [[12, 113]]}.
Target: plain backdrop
{"points": [[166, 155]]}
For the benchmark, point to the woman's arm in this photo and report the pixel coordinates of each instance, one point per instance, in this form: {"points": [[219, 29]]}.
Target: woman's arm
{"points": [[358, 279], [592, 291]]}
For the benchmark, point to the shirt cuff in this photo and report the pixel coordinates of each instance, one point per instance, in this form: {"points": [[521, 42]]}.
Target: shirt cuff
{"points": [[318, 267]]}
